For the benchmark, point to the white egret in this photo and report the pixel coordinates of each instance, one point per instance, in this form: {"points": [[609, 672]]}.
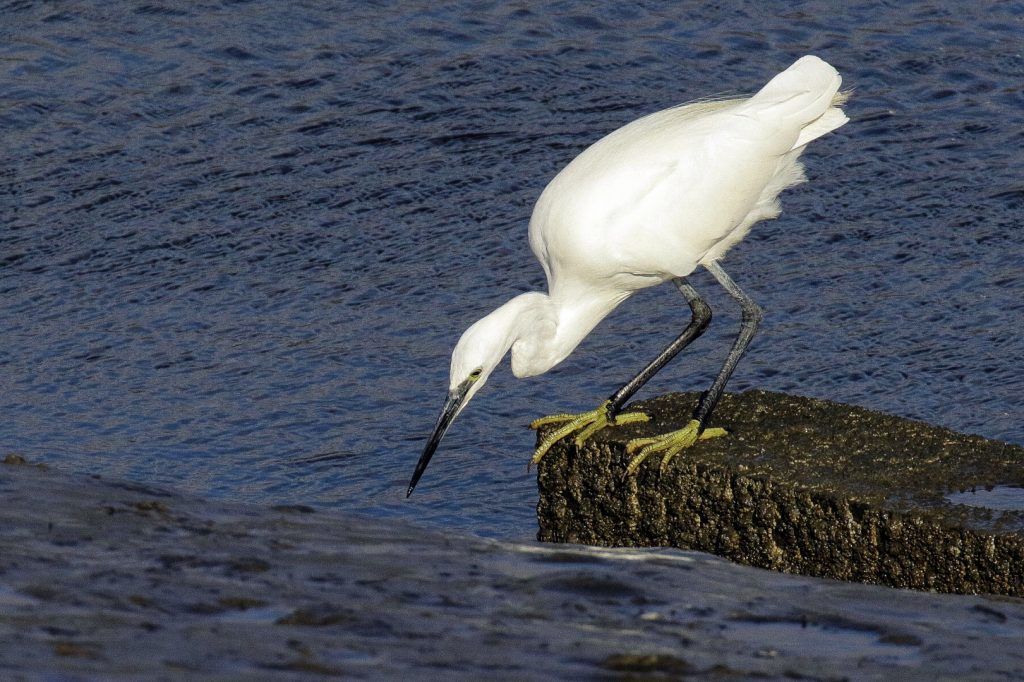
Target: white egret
{"points": [[646, 204]]}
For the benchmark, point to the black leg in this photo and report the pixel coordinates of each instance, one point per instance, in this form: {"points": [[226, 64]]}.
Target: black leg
{"points": [[751, 318], [698, 323]]}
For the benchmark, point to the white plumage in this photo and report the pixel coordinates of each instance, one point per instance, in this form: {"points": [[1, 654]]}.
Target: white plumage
{"points": [[645, 204]]}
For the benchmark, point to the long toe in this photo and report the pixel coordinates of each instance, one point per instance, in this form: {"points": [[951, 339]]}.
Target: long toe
{"points": [[669, 444], [552, 419], [584, 425]]}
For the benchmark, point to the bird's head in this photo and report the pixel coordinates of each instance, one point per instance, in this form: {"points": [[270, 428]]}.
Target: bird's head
{"points": [[479, 350]]}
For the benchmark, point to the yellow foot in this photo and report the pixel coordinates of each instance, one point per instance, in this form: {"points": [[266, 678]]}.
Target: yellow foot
{"points": [[670, 443], [587, 424]]}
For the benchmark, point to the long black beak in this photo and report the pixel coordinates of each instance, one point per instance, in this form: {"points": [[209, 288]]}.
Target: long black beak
{"points": [[448, 412]]}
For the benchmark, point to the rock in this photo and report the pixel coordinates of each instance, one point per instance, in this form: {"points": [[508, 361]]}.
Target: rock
{"points": [[803, 486], [117, 580]]}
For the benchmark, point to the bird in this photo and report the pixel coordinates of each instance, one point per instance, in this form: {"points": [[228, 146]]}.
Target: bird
{"points": [[647, 204]]}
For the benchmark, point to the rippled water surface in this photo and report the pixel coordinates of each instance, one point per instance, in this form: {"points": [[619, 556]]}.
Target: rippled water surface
{"points": [[239, 239]]}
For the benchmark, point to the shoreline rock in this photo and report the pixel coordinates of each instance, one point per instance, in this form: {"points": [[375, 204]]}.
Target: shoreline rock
{"points": [[109, 579], [801, 486]]}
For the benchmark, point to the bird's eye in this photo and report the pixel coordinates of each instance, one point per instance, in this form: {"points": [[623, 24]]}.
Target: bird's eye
{"points": [[475, 374]]}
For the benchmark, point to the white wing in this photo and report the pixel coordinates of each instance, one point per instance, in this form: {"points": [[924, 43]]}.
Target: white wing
{"points": [[678, 187]]}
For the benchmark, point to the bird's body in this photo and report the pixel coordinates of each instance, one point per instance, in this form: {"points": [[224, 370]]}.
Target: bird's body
{"points": [[648, 203]]}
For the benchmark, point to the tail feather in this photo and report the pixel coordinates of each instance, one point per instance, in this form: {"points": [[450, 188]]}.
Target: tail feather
{"points": [[826, 123], [807, 94]]}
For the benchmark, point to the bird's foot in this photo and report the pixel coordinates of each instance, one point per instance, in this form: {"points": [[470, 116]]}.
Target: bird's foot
{"points": [[670, 443], [586, 424]]}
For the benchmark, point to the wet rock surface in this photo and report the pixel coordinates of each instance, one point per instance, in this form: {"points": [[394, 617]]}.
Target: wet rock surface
{"points": [[107, 580], [803, 486]]}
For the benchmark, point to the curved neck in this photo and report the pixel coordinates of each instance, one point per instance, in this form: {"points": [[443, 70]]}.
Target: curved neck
{"points": [[551, 328]]}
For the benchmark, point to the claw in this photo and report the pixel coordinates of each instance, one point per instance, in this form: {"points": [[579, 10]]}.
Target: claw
{"points": [[670, 443], [586, 423]]}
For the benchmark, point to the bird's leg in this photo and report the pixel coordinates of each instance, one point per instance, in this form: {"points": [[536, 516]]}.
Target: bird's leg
{"points": [[607, 414], [699, 321], [672, 443]]}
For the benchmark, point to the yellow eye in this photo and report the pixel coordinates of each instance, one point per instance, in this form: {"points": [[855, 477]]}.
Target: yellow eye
{"points": [[475, 374]]}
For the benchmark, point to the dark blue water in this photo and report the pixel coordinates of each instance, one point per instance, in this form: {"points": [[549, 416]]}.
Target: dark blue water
{"points": [[239, 239]]}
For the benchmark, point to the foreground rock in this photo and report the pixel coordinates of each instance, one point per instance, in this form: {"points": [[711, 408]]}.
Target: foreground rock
{"points": [[803, 486], [107, 580]]}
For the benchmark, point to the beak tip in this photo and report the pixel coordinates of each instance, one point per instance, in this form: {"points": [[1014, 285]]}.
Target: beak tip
{"points": [[451, 408]]}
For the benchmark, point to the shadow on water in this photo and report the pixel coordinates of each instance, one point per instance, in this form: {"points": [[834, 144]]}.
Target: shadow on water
{"points": [[140, 582]]}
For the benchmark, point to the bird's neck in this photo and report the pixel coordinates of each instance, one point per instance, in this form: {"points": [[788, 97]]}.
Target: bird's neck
{"points": [[549, 329]]}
